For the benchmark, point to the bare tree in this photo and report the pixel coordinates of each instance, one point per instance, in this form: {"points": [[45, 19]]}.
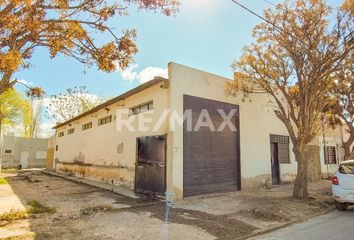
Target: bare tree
{"points": [[293, 59], [71, 103], [340, 111]]}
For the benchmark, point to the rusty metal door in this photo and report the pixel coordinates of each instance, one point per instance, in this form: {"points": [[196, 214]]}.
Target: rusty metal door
{"points": [[151, 165], [211, 159]]}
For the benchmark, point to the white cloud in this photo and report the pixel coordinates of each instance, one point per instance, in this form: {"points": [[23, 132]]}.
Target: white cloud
{"points": [[149, 73], [144, 75], [45, 130], [129, 74]]}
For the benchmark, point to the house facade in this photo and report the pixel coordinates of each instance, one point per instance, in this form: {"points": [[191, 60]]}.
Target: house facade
{"points": [[185, 135], [27, 152]]}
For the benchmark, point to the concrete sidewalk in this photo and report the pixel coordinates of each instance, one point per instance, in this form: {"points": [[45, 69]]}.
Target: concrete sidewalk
{"points": [[334, 225], [116, 189]]}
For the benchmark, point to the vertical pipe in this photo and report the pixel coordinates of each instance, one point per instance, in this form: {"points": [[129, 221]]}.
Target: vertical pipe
{"points": [[324, 148]]}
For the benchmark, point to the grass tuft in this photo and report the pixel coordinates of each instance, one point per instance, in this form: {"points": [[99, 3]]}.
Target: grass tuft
{"points": [[14, 215], [3, 181], [9, 170], [26, 236], [37, 208]]}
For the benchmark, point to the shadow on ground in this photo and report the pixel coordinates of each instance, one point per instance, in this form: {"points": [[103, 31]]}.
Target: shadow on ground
{"points": [[79, 211]]}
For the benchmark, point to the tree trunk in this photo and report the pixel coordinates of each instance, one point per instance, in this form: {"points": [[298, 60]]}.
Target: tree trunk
{"points": [[5, 83], [300, 186], [348, 149], [351, 155]]}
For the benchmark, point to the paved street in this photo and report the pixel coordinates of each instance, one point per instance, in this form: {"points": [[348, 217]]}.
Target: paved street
{"points": [[332, 226]]}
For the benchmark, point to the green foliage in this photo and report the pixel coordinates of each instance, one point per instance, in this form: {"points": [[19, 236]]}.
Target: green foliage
{"points": [[14, 108], [11, 103], [3, 181]]}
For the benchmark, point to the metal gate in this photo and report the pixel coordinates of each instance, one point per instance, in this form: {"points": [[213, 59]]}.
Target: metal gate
{"points": [[211, 159], [150, 172]]}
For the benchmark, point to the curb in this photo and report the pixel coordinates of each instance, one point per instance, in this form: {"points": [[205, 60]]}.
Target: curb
{"points": [[272, 229]]}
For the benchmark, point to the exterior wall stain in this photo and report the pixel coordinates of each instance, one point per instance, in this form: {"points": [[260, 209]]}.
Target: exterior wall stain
{"points": [[116, 175], [263, 181]]}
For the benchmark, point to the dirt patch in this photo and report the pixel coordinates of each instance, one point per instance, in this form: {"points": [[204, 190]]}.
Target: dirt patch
{"points": [[266, 215], [71, 210], [220, 226]]}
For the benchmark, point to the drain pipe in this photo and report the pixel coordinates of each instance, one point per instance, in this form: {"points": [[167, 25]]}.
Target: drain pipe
{"points": [[324, 148]]}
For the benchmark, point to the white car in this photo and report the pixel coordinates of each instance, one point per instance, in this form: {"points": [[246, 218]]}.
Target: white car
{"points": [[343, 185]]}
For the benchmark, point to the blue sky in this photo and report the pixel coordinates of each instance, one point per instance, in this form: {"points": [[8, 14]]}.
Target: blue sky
{"points": [[205, 34]]}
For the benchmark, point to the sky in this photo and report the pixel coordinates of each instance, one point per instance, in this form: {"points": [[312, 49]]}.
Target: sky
{"points": [[204, 34]]}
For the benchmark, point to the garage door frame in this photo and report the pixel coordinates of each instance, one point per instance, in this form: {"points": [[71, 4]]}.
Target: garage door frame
{"points": [[237, 142]]}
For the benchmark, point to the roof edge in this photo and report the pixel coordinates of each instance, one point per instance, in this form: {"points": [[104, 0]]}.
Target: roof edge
{"points": [[123, 96]]}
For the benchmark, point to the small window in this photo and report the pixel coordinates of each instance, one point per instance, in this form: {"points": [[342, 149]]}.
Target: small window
{"points": [[141, 108], [347, 168], [330, 155], [56, 147], [105, 120], [41, 155], [71, 131], [61, 134], [87, 126], [8, 151]]}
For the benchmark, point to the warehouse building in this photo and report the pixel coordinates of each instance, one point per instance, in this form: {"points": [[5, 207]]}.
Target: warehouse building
{"points": [[139, 139]]}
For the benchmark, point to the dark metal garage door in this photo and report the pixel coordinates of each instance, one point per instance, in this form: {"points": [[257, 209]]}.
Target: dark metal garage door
{"points": [[211, 158]]}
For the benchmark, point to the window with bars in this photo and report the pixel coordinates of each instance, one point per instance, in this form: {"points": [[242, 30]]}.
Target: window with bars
{"points": [[283, 147], [141, 108], [330, 155], [86, 126], [105, 120], [61, 134], [71, 131]]}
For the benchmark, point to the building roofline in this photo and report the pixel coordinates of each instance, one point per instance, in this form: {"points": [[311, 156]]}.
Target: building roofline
{"points": [[123, 96]]}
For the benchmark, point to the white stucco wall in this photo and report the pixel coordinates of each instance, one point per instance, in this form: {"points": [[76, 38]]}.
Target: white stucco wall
{"points": [[257, 122], [17, 145], [98, 145]]}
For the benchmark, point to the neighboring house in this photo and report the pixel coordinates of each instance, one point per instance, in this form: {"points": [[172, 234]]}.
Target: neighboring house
{"points": [[190, 158], [27, 152]]}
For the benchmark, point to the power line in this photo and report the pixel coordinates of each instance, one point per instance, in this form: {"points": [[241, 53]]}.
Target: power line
{"points": [[257, 15], [267, 21]]}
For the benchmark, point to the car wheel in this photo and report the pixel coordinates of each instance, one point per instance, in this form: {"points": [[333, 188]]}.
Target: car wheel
{"points": [[341, 206]]}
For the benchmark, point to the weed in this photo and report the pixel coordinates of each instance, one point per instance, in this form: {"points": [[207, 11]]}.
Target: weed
{"points": [[93, 210], [9, 170], [14, 215], [3, 181], [25, 236], [37, 208]]}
